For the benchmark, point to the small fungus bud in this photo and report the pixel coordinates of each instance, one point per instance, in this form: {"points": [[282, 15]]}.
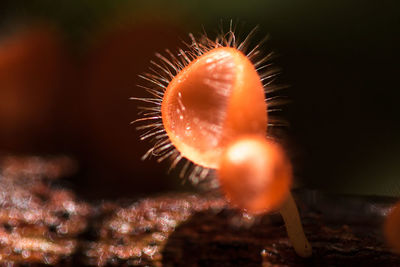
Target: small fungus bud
{"points": [[255, 174]]}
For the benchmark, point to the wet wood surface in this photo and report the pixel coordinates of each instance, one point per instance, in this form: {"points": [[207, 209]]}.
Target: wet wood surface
{"points": [[43, 223]]}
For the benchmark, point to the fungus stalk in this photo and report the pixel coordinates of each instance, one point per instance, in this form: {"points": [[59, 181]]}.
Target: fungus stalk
{"points": [[294, 229]]}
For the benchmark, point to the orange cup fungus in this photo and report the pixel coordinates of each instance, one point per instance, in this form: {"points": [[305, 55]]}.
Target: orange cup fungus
{"points": [[209, 107], [216, 98]]}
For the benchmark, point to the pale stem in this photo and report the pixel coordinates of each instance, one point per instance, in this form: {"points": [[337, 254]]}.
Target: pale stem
{"points": [[290, 215]]}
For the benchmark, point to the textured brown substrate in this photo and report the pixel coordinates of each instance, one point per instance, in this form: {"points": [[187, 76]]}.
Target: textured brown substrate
{"points": [[38, 223], [44, 224]]}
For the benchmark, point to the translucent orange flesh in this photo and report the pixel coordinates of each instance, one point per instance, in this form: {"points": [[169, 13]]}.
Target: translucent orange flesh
{"points": [[255, 174], [216, 98], [392, 228]]}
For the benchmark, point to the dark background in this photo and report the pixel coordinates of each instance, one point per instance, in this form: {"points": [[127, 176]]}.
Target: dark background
{"points": [[67, 69]]}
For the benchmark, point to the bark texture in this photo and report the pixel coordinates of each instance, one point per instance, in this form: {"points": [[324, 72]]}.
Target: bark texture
{"points": [[43, 223]]}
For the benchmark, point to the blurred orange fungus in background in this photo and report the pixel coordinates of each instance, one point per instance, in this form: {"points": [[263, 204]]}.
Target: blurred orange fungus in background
{"points": [[75, 99], [30, 77], [392, 228]]}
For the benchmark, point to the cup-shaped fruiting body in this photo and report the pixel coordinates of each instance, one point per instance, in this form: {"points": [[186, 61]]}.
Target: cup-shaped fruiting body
{"points": [[255, 174], [214, 113], [392, 228], [212, 101]]}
